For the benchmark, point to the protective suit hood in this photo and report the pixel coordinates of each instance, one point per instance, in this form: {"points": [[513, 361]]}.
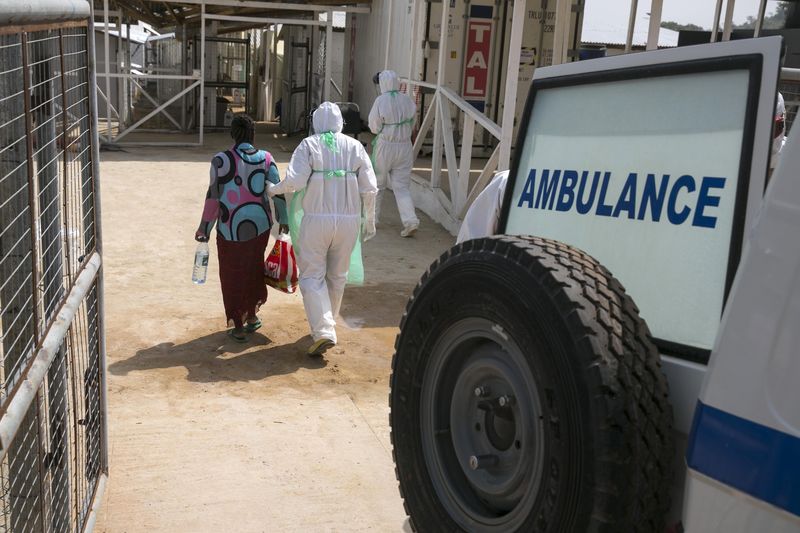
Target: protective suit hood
{"points": [[389, 81], [327, 117]]}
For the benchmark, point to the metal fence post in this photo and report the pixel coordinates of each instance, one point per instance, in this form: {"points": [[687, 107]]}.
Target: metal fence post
{"points": [[32, 209]]}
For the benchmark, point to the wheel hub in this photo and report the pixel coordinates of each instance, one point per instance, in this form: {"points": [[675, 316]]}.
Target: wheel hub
{"points": [[484, 412]]}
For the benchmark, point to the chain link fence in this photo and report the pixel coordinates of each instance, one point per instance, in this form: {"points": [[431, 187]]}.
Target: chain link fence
{"points": [[52, 398]]}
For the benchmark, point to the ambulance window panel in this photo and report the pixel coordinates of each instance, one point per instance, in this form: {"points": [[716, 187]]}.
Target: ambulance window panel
{"points": [[643, 170]]}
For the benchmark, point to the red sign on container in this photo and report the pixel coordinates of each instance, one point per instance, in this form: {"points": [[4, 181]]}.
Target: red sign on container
{"points": [[476, 71]]}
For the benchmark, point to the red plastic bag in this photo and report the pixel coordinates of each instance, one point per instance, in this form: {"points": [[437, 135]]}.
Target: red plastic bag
{"points": [[280, 267]]}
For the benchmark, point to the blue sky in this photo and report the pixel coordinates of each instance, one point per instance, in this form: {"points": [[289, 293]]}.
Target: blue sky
{"points": [[614, 13]]}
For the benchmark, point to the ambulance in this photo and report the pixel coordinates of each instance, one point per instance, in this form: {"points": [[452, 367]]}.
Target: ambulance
{"points": [[624, 356]]}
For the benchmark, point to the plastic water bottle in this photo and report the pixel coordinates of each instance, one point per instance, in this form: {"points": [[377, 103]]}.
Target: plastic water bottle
{"points": [[200, 264]]}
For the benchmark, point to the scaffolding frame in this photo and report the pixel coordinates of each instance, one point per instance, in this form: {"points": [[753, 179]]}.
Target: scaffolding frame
{"points": [[197, 80]]}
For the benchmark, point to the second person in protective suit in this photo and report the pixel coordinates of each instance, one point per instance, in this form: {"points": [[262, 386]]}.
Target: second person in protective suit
{"points": [[392, 120], [334, 202]]}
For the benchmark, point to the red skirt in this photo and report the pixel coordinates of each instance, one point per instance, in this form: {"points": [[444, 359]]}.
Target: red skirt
{"points": [[241, 274]]}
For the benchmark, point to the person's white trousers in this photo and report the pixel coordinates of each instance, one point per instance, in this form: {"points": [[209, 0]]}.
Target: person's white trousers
{"points": [[324, 248], [393, 164]]}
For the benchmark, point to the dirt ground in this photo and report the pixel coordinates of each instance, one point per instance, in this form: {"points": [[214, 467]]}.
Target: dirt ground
{"points": [[210, 435]]}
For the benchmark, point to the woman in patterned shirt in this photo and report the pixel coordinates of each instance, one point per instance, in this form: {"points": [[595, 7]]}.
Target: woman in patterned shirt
{"points": [[237, 202]]}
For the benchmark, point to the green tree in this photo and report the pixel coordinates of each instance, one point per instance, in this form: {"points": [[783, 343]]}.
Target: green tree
{"points": [[772, 21], [670, 25]]}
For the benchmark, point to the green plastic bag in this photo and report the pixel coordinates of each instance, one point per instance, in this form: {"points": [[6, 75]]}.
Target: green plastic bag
{"points": [[355, 274]]}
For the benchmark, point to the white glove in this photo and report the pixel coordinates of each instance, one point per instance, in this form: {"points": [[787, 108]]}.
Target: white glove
{"points": [[368, 216], [271, 189]]}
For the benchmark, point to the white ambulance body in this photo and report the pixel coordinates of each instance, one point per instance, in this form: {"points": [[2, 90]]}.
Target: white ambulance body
{"points": [[744, 450], [655, 165]]}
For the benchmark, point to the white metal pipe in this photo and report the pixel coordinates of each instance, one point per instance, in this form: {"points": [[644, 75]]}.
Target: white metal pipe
{"points": [[424, 127], [418, 83], [201, 119], [276, 5], [109, 136], [266, 20], [128, 95], [465, 160], [512, 76], [631, 25], [388, 40], [184, 70], [442, 60], [273, 69], [446, 124], [97, 502], [101, 93], [148, 76], [154, 143], [655, 24], [717, 15], [19, 403], [328, 56], [726, 29], [120, 67], [438, 139], [98, 232], [762, 9], [16, 12], [470, 110]]}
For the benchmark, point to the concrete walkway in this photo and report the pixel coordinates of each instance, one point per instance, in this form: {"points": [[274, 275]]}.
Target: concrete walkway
{"points": [[209, 435]]}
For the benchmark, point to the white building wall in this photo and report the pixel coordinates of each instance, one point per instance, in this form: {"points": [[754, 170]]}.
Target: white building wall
{"points": [[372, 43], [337, 66]]}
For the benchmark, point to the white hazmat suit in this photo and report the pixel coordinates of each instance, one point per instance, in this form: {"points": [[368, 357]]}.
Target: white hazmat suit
{"points": [[779, 140], [483, 216], [392, 120], [335, 175]]}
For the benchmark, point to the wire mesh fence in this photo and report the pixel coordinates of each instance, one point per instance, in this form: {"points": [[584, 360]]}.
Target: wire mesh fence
{"points": [[50, 469]]}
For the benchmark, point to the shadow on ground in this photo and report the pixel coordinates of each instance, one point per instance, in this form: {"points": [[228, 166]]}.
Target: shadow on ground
{"points": [[216, 358], [378, 305]]}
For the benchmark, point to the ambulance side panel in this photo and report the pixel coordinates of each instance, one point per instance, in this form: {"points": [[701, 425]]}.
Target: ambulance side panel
{"points": [[744, 449]]}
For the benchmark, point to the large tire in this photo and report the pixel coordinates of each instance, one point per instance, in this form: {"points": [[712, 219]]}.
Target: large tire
{"points": [[582, 437]]}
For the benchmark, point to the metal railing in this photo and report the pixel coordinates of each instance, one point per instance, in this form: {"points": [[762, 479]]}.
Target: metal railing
{"points": [[460, 194], [53, 458], [450, 209]]}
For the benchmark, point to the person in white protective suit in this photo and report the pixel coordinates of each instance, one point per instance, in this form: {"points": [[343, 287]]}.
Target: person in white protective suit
{"points": [[392, 120], [334, 184], [778, 132], [483, 216]]}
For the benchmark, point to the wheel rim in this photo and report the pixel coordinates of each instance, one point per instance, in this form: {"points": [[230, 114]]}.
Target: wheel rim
{"points": [[481, 426]]}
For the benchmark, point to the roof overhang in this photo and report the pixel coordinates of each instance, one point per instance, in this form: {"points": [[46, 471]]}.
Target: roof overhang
{"points": [[248, 13]]}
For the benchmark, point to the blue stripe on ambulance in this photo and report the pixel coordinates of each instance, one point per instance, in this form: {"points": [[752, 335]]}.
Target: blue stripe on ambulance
{"points": [[754, 459]]}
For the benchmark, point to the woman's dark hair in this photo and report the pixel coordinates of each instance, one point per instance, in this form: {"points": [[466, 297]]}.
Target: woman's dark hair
{"points": [[243, 129]]}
